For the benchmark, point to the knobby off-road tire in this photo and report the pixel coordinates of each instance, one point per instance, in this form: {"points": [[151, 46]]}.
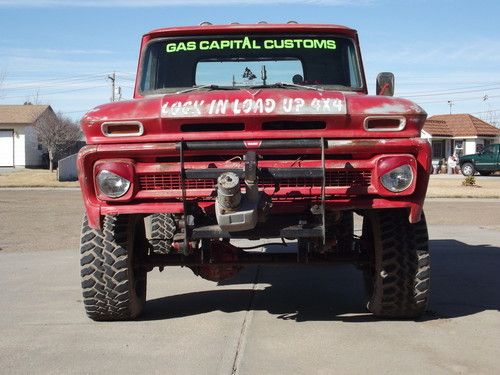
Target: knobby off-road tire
{"points": [[113, 279], [163, 228], [398, 279]]}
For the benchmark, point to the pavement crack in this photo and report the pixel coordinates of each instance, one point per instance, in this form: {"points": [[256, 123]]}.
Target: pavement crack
{"points": [[238, 355]]}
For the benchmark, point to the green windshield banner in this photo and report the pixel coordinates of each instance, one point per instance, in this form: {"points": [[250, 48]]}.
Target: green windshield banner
{"points": [[249, 43]]}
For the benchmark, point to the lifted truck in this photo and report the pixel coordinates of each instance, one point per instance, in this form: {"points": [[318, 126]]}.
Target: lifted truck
{"points": [[253, 132]]}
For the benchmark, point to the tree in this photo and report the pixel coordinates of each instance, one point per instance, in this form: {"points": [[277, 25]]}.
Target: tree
{"points": [[57, 134]]}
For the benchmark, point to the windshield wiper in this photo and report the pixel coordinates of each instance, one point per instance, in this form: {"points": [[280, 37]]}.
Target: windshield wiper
{"points": [[282, 85], [206, 87]]}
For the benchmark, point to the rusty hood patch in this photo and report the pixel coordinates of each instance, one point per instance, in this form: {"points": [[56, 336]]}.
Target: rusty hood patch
{"points": [[382, 105]]}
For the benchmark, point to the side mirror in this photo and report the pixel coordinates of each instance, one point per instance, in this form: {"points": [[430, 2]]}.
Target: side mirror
{"points": [[385, 84]]}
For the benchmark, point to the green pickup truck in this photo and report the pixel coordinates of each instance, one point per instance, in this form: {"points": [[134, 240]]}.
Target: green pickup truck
{"points": [[485, 162]]}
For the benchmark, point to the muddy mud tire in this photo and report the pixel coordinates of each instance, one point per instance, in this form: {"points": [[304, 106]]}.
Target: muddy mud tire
{"points": [[163, 228], [398, 278], [113, 279]]}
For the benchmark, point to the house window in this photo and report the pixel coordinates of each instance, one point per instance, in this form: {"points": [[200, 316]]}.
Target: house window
{"points": [[487, 142], [438, 149]]}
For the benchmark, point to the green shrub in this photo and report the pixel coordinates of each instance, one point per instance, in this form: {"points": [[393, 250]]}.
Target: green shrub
{"points": [[469, 181]]}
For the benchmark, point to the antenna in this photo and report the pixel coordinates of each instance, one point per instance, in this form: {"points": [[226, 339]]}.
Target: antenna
{"points": [[450, 103]]}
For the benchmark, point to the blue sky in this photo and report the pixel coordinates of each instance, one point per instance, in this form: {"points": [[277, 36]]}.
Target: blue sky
{"points": [[60, 52]]}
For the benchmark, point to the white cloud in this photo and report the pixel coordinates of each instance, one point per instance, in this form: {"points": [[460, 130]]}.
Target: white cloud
{"points": [[42, 65], [439, 53], [52, 51], [165, 3]]}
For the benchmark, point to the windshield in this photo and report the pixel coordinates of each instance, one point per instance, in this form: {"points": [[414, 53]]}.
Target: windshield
{"points": [[243, 61]]}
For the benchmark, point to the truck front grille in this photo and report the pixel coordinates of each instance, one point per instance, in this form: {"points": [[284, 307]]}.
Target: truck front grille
{"points": [[334, 178]]}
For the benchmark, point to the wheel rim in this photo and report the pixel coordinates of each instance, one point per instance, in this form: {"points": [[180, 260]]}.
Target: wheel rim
{"points": [[467, 170]]}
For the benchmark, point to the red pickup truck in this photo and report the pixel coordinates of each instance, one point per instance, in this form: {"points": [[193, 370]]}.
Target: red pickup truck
{"points": [[253, 132]]}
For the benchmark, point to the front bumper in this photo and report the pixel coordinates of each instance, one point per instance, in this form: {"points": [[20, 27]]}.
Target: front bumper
{"points": [[166, 175]]}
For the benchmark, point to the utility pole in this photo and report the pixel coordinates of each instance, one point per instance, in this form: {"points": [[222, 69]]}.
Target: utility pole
{"points": [[113, 80], [450, 103]]}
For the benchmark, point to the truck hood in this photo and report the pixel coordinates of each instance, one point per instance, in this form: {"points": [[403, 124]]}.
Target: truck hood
{"points": [[194, 115]]}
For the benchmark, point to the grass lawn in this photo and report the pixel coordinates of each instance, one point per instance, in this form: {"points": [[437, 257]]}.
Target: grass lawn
{"points": [[451, 187], [33, 178]]}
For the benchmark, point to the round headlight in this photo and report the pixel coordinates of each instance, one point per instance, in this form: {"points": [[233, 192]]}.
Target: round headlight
{"points": [[111, 184], [398, 179]]}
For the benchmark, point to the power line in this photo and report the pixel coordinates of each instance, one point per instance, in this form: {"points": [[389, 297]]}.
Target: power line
{"points": [[55, 92], [70, 78], [437, 82], [76, 111], [57, 82], [489, 111], [459, 99], [51, 86], [451, 92], [448, 90]]}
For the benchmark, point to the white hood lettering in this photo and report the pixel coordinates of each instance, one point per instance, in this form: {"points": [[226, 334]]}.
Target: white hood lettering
{"points": [[259, 106]]}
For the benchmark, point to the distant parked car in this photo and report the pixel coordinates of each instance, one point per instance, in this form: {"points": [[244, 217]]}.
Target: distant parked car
{"points": [[485, 162]]}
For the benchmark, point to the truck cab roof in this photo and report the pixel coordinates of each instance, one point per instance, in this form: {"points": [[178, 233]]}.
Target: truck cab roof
{"points": [[250, 28]]}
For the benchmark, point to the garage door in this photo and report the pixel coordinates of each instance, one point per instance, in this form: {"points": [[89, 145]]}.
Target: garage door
{"points": [[6, 148]]}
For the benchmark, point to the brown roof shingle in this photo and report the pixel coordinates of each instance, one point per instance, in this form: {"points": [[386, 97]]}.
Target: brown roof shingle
{"points": [[460, 125], [21, 114]]}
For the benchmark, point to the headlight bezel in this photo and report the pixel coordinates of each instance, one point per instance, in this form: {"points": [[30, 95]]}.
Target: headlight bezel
{"points": [[390, 180], [105, 178], [388, 163], [122, 168]]}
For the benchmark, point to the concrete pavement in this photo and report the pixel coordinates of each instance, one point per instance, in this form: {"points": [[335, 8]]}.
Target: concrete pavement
{"points": [[50, 219], [267, 320]]}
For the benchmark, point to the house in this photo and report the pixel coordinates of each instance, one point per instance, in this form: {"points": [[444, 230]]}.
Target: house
{"points": [[458, 134], [19, 145]]}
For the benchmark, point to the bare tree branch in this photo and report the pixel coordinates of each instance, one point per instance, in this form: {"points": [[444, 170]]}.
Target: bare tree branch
{"points": [[57, 135]]}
